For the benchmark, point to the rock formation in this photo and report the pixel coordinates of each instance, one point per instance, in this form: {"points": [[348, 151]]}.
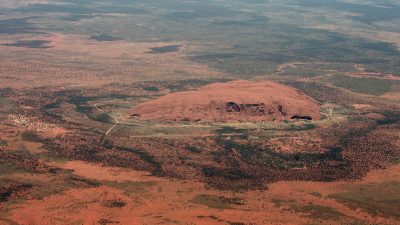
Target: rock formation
{"points": [[240, 101]]}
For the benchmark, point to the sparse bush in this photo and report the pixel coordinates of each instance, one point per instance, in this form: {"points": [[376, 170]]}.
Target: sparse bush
{"points": [[151, 89], [192, 149], [216, 202], [3, 143], [114, 203], [30, 136]]}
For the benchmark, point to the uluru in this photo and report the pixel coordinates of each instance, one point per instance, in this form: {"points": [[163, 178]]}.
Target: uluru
{"points": [[235, 101]]}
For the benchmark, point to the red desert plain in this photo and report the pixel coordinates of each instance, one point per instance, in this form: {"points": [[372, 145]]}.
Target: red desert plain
{"points": [[239, 112]]}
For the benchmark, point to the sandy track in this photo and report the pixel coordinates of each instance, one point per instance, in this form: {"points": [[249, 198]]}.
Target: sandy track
{"points": [[116, 122]]}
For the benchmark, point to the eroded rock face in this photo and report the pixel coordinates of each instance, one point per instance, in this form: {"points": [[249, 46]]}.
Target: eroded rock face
{"points": [[244, 101]]}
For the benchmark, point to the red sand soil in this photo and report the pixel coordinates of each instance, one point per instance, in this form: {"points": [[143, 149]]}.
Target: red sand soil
{"points": [[233, 101], [169, 201], [79, 61], [362, 106]]}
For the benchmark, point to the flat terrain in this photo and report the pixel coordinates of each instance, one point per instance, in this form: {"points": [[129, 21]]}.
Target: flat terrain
{"points": [[98, 120]]}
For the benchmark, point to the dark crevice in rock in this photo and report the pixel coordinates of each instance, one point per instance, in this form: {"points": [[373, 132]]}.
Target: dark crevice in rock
{"points": [[301, 117]]}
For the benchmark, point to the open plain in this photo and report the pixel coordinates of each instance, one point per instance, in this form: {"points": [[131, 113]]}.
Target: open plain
{"points": [[199, 112]]}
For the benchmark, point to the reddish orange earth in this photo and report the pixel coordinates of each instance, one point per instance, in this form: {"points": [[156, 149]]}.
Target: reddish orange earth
{"points": [[233, 101]]}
